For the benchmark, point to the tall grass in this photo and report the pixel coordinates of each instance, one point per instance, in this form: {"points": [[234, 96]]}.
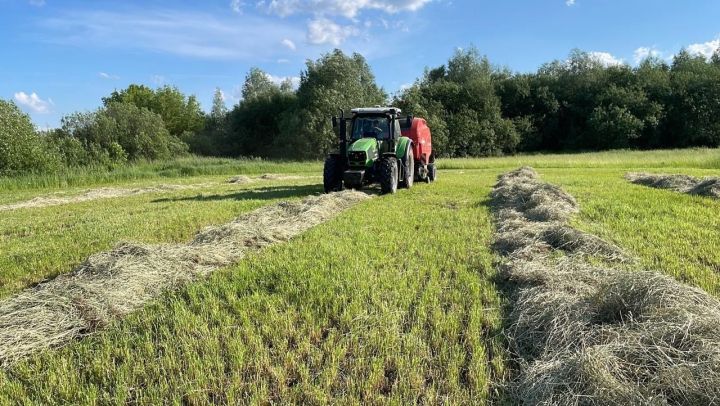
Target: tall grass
{"points": [[178, 168]]}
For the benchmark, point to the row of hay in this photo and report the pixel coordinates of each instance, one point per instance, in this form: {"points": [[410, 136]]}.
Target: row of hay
{"points": [[595, 334], [111, 284], [243, 179], [709, 186], [95, 194], [109, 193]]}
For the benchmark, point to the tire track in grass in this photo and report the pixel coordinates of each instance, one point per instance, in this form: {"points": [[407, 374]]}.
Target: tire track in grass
{"points": [[584, 326], [112, 284]]}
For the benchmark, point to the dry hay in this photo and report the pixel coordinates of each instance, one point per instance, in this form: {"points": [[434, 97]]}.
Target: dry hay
{"points": [[240, 179], [709, 186], [587, 334], [111, 284], [94, 194], [274, 176]]}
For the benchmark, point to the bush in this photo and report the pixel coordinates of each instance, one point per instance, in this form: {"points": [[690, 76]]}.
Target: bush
{"points": [[118, 133], [21, 148]]}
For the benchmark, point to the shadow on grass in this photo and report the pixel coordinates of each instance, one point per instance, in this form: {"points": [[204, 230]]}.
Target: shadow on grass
{"points": [[507, 290], [261, 193]]}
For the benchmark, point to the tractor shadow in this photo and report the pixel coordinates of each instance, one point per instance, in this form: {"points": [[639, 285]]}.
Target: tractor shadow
{"points": [[261, 193], [507, 290]]}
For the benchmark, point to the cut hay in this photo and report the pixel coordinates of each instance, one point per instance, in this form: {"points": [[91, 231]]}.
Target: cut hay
{"points": [[95, 194], [112, 284], [591, 334], [240, 179], [274, 176], [243, 179], [709, 186]]}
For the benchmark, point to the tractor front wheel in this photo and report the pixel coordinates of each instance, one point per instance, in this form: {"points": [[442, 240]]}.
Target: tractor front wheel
{"points": [[388, 175], [332, 174]]}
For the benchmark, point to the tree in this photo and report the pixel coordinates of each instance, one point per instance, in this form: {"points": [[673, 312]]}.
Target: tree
{"points": [[120, 132], [255, 123], [257, 83], [180, 114], [219, 109], [21, 148], [462, 107]]}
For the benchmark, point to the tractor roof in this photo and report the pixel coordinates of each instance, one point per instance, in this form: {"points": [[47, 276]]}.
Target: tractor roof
{"points": [[376, 110]]}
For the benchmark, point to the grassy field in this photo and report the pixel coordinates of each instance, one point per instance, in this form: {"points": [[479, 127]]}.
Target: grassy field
{"points": [[394, 301]]}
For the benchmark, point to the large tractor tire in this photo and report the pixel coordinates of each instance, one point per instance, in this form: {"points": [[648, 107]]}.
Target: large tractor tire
{"points": [[332, 174], [408, 175], [388, 172]]}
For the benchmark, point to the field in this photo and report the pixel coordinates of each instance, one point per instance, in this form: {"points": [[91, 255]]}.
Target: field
{"points": [[396, 300]]}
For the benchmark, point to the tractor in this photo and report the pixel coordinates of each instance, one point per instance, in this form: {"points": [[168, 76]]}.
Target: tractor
{"points": [[377, 145]]}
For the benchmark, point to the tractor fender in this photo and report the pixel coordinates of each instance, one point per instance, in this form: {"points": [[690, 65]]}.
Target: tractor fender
{"points": [[404, 146]]}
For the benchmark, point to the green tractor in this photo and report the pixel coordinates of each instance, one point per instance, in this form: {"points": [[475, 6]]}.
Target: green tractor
{"points": [[379, 146]]}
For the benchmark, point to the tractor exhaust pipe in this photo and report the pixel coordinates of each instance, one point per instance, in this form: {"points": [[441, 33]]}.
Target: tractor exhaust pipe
{"points": [[342, 134]]}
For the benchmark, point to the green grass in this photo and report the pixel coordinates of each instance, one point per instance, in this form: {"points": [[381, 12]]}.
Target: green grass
{"points": [[39, 243], [354, 311], [392, 302], [179, 168]]}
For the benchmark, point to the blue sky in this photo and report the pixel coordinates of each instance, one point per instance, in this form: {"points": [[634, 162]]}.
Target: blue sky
{"points": [[57, 57]]}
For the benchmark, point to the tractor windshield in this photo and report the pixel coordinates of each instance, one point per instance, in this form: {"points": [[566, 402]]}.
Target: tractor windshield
{"points": [[375, 127]]}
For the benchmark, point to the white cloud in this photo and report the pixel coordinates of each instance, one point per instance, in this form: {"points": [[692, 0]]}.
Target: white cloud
{"points": [[324, 31], [158, 80], [283, 60], [569, 3], [345, 8], [33, 102], [706, 49], [289, 44], [108, 76], [278, 80], [643, 53], [190, 34], [606, 58], [236, 5]]}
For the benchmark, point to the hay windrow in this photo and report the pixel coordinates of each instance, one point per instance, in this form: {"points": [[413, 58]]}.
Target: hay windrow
{"points": [[95, 194], [112, 284], [709, 186], [589, 334]]}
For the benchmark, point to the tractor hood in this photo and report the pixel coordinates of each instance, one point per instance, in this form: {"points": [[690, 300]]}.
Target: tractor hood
{"points": [[363, 152]]}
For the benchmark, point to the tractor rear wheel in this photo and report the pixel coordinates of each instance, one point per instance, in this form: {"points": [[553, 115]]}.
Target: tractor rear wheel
{"points": [[388, 171], [408, 170], [332, 174]]}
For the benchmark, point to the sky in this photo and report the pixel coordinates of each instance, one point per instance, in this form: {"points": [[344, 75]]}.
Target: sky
{"points": [[59, 57]]}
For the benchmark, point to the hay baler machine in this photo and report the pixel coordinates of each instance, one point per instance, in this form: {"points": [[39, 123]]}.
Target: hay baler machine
{"points": [[377, 145]]}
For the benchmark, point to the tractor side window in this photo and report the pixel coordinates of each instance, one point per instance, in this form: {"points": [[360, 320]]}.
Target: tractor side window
{"points": [[371, 127]]}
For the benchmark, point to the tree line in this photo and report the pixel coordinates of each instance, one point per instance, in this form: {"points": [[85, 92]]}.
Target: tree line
{"points": [[473, 107]]}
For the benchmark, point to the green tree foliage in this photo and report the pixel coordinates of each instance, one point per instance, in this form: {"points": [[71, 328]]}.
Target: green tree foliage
{"points": [[117, 133], [21, 148], [255, 123], [181, 114], [462, 107], [209, 140]]}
